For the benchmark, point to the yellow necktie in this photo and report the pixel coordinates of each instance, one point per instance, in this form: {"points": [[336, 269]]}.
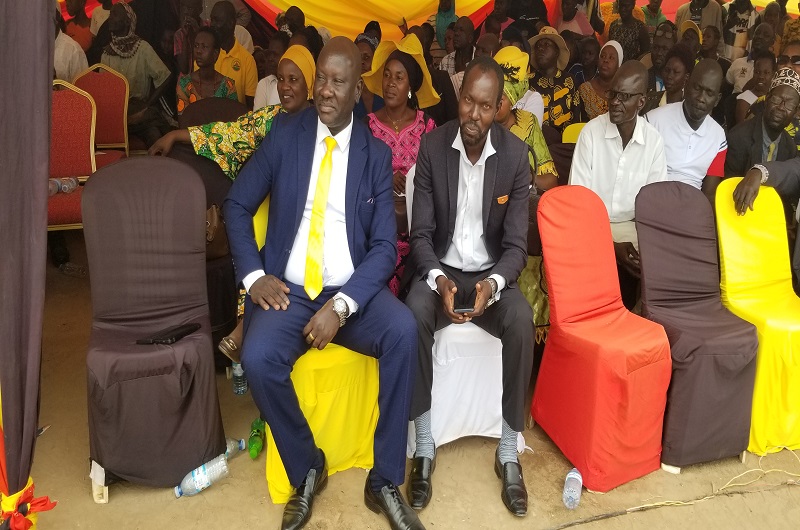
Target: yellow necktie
{"points": [[316, 235], [771, 152]]}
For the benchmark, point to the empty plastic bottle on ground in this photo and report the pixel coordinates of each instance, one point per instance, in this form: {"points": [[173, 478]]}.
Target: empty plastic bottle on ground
{"points": [[257, 436], [53, 186], [202, 477], [68, 184], [233, 446], [572, 489], [239, 381]]}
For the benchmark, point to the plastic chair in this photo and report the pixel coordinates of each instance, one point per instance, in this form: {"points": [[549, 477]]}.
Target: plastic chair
{"points": [[153, 409], [466, 397], [337, 389], [713, 351], [71, 151], [757, 286], [109, 89], [571, 133], [602, 385]]}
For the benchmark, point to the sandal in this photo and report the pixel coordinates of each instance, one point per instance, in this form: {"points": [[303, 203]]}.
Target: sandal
{"points": [[229, 348]]}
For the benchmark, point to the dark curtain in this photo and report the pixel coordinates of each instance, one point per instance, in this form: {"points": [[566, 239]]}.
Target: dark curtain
{"points": [[26, 38]]}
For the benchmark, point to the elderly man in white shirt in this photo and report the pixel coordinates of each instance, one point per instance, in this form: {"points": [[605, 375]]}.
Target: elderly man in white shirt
{"points": [[617, 153], [68, 57]]}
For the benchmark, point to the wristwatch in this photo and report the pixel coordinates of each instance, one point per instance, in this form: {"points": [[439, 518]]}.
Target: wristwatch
{"points": [[341, 309], [493, 283], [764, 172]]}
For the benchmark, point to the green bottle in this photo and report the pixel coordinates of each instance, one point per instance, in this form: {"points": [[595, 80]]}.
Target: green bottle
{"points": [[257, 437]]}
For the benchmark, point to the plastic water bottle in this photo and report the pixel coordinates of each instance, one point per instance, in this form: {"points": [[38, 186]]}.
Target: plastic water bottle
{"points": [[233, 446], [239, 381], [202, 477], [69, 184], [572, 489], [53, 186], [257, 437]]}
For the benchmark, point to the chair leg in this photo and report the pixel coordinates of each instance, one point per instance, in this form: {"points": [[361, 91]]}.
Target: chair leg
{"points": [[743, 456], [530, 423], [671, 469], [99, 493]]}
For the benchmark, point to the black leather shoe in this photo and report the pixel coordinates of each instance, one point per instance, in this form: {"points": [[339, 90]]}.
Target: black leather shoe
{"points": [[390, 502], [420, 488], [297, 511], [514, 494]]}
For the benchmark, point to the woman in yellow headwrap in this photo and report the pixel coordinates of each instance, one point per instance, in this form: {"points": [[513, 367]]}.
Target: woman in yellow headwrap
{"points": [[525, 126], [231, 144]]}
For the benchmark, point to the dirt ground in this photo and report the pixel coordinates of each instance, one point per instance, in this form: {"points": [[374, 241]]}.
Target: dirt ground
{"points": [[466, 490]]}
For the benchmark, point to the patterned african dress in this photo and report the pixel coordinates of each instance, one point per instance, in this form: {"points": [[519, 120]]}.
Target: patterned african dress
{"points": [[404, 146], [628, 37], [231, 144], [187, 92], [594, 104], [531, 281], [562, 102]]}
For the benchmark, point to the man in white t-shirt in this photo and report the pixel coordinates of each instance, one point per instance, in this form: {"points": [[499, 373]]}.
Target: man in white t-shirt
{"points": [[694, 144], [68, 57], [741, 70], [618, 153]]}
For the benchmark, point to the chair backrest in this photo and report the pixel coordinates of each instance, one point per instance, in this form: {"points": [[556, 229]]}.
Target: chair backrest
{"points": [[578, 255], [71, 132], [209, 110], [109, 89], [144, 223], [753, 248], [571, 133], [677, 245]]}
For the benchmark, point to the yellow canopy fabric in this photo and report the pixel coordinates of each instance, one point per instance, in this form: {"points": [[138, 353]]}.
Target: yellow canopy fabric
{"points": [[349, 18], [757, 286]]}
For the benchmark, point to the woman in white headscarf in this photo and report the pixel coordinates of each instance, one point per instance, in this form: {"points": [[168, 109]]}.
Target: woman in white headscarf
{"points": [[593, 93]]}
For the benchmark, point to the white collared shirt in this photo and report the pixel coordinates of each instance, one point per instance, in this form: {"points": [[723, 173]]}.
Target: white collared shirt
{"points": [[337, 264], [614, 173], [68, 58], [467, 250], [691, 155]]}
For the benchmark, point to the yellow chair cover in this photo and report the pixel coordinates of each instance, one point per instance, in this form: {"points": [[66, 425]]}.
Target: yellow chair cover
{"points": [[757, 286], [572, 132], [338, 393]]}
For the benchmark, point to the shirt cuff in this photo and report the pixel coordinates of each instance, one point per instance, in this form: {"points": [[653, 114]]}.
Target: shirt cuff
{"points": [[351, 304], [251, 278], [501, 282], [432, 275]]}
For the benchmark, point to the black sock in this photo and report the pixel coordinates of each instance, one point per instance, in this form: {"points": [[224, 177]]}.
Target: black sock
{"points": [[319, 461], [377, 482]]}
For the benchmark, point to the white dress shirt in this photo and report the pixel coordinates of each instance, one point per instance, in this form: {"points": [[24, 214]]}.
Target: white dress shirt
{"points": [[266, 93], [337, 264], [68, 58], [691, 155], [614, 173], [467, 250]]}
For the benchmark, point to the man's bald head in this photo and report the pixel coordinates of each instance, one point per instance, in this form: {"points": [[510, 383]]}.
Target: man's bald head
{"points": [[763, 37], [628, 88], [488, 44], [338, 84], [463, 33], [702, 91], [295, 19]]}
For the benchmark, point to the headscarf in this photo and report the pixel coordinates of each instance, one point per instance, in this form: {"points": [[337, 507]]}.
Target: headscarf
{"points": [[300, 56], [325, 34], [444, 19], [514, 63], [617, 46], [372, 42], [788, 77], [412, 68], [126, 45]]}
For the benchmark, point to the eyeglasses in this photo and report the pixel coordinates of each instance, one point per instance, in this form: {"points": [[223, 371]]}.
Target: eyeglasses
{"points": [[785, 59], [775, 101], [668, 33], [611, 95]]}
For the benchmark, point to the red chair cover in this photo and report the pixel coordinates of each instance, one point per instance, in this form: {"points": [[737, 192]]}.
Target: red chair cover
{"points": [[602, 385]]}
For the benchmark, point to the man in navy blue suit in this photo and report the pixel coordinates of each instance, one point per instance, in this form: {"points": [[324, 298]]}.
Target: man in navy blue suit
{"points": [[330, 188]]}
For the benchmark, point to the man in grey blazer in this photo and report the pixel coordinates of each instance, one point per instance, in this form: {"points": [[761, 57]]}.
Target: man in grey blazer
{"points": [[469, 245]]}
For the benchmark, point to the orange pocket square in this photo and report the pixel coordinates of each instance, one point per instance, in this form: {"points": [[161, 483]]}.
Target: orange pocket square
{"points": [[502, 200]]}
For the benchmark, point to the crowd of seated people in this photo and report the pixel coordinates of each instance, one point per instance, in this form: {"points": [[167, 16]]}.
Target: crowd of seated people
{"points": [[705, 96]]}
